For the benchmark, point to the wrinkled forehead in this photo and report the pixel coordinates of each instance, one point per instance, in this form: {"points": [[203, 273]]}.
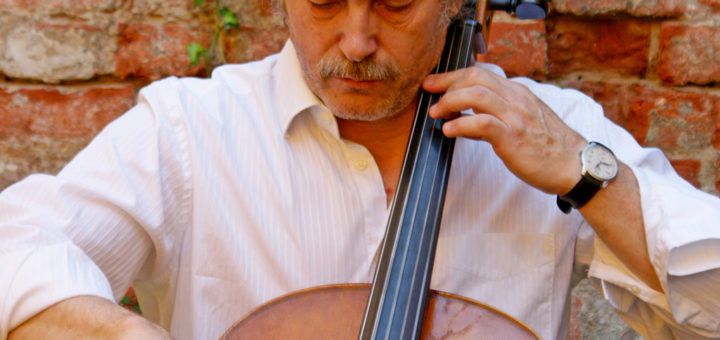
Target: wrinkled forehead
{"points": [[278, 5]]}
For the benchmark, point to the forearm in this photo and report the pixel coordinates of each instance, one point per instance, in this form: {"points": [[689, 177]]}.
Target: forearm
{"points": [[615, 213], [88, 317]]}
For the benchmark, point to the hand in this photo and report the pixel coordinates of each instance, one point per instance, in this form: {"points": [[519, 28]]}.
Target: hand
{"points": [[533, 142]]}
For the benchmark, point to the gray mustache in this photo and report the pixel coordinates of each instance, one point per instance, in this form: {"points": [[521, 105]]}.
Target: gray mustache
{"points": [[330, 67]]}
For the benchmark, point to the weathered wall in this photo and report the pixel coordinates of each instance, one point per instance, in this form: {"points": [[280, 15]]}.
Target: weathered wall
{"points": [[68, 67]]}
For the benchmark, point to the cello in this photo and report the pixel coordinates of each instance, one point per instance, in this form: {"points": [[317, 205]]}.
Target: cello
{"points": [[399, 303]]}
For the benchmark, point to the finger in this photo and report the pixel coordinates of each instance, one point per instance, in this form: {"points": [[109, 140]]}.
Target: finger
{"points": [[436, 83], [465, 77], [477, 98], [481, 126]]}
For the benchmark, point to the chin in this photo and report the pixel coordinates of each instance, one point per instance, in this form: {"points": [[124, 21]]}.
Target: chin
{"points": [[362, 116], [358, 112], [387, 107]]}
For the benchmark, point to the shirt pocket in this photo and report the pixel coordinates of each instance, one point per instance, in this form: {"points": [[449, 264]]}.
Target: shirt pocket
{"points": [[510, 271]]}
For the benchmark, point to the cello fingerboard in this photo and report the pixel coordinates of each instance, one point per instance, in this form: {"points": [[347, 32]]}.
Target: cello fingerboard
{"points": [[398, 296]]}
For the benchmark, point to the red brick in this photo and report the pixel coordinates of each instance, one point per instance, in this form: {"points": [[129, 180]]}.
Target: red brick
{"points": [[717, 176], [712, 5], [519, 48], [21, 4], [667, 118], [163, 8], [24, 155], [716, 134], [688, 169], [662, 8], [61, 111], [601, 45], [689, 54], [152, 52], [65, 6], [254, 43]]}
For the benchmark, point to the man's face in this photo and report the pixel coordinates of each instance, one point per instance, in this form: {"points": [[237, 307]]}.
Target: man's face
{"points": [[365, 59]]}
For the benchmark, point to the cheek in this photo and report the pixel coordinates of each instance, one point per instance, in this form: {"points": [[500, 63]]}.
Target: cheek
{"points": [[428, 54]]}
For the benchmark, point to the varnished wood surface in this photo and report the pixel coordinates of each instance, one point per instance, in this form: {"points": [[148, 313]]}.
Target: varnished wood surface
{"points": [[336, 312]]}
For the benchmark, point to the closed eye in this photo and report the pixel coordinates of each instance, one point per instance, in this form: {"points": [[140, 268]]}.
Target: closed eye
{"points": [[325, 8]]}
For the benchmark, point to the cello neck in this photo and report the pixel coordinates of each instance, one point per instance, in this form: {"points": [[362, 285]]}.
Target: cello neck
{"points": [[398, 296]]}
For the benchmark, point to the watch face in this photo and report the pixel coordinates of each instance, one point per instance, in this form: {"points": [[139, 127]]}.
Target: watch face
{"points": [[600, 162]]}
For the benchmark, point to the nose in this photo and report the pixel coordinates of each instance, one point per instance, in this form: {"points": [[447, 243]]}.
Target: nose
{"points": [[359, 36]]}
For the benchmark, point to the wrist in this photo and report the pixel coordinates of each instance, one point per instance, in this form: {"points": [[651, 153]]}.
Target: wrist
{"points": [[599, 167]]}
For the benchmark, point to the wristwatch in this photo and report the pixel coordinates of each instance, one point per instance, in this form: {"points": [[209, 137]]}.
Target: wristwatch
{"points": [[599, 167]]}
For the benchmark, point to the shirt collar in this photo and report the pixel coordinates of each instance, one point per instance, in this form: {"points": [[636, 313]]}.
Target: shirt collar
{"points": [[292, 92]]}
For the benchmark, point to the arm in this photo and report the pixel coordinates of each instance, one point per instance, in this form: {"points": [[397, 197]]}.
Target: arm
{"points": [[88, 317], [616, 216], [539, 148], [655, 257]]}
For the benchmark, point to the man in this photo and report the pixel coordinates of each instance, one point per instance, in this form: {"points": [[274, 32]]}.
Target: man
{"points": [[218, 195]]}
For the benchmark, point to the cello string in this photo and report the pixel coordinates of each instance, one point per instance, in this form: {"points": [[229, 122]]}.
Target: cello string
{"points": [[460, 61], [439, 172], [406, 192], [416, 282], [387, 284], [424, 150]]}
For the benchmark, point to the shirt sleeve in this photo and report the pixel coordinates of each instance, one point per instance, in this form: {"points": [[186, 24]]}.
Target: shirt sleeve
{"points": [[681, 227], [683, 238], [97, 224]]}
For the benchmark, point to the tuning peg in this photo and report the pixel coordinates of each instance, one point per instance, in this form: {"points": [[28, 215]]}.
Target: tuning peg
{"points": [[523, 9]]}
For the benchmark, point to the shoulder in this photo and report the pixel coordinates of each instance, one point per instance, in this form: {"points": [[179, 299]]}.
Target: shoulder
{"points": [[238, 79], [564, 101], [241, 86]]}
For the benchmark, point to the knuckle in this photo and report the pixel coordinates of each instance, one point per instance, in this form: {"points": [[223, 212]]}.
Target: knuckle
{"points": [[477, 73], [478, 92]]}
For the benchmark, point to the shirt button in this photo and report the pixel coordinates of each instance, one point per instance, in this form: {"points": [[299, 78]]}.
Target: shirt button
{"points": [[327, 118], [361, 164]]}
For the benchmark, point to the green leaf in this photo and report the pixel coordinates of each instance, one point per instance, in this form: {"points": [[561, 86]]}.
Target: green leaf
{"points": [[195, 51], [229, 19], [198, 2]]}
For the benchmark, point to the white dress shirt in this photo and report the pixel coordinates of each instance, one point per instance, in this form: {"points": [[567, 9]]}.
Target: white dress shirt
{"points": [[212, 196]]}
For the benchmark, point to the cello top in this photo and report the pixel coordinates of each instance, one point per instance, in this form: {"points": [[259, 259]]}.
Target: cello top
{"points": [[335, 312]]}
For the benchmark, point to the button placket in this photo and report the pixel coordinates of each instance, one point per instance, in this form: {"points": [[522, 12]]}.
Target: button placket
{"points": [[370, 187]]}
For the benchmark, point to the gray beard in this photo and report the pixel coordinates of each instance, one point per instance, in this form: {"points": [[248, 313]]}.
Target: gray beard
{"points": [[387, 107]]}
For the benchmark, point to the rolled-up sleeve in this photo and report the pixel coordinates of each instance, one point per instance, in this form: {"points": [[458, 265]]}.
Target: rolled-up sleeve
{"points": [[682, 228]]}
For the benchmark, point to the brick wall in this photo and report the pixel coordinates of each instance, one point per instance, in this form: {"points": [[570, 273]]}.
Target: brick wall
{"points": [[68, 67]]}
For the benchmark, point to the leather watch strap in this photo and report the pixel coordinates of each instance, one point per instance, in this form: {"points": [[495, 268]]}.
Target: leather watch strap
{"points": [[580, 194]]}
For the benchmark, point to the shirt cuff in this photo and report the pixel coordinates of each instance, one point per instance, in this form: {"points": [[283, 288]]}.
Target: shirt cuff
{"points": [[684, 247], [618, 284], [45, 276]]}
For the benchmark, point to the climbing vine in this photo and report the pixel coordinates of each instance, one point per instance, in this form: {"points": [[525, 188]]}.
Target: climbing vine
{"points": [[225, 20]]}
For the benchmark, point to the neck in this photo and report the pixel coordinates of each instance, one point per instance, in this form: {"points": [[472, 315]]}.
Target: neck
{"points": [[386, 139]]}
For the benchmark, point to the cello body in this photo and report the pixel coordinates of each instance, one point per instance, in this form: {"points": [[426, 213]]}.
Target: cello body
{"points": [[336, 312]]}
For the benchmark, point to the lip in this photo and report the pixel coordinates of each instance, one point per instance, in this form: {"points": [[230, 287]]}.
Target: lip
{"points": [[356, 83]]}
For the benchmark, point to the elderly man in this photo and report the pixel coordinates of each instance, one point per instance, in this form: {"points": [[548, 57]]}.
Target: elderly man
{"points": [[214, 196]]}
